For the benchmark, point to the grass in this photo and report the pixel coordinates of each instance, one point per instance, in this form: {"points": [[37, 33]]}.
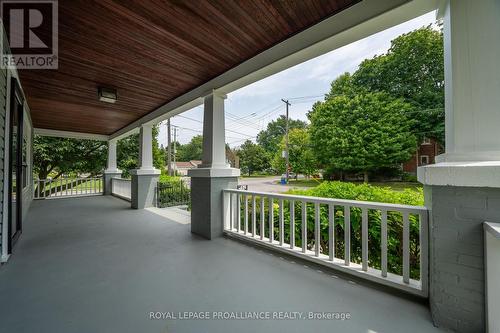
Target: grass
{"points": [[257, 175]]}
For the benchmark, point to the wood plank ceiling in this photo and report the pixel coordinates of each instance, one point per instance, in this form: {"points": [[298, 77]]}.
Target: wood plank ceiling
{"points": [[153, 51]]}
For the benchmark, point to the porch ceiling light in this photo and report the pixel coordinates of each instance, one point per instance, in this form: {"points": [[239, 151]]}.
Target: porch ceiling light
{"points": [[107, 95]]}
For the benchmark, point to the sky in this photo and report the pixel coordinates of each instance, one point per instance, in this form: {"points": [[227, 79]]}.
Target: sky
{"points": [[251, 108]]}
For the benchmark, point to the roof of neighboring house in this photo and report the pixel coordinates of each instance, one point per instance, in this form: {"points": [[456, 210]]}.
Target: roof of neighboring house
{"points": [[183, 165], [187, 165]]}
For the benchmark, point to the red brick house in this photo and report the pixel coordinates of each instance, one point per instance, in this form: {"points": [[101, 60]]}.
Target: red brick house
{"points": [[425, 154]]}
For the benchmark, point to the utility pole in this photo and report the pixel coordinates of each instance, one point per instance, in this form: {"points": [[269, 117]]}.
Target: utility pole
{"points": [[169, 148], [287, 103]]}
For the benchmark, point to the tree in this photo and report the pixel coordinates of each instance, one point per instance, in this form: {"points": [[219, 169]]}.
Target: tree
{"points": [[361, 133], [252, 157], [412, 69], [190, 151], [301, 156], [57, 156], [270, 138]]}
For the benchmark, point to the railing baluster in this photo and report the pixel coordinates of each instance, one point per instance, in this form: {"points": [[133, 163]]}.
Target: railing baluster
{"points": [[254, 217], [238, 214], [262, 217], [281, 223], [317, 230], [235, 211], [304, 226], [231, 211], [271, 220], [406, 248], [424, 253], [245, 197], [364, 239], [331, 232], [383, 241], [292, 224], [226, 211], [347, 235]]}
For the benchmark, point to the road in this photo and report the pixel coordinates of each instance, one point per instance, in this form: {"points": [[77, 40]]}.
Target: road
{"points": [[267, 184]]}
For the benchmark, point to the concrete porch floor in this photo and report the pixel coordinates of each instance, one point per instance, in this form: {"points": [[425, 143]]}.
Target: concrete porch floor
{"points": [[95, 265]]}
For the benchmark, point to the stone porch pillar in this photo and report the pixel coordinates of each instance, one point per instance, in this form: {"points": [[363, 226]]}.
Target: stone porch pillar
{"points": [[463, 189], [145, 178], [213, 174], [112, 169]]}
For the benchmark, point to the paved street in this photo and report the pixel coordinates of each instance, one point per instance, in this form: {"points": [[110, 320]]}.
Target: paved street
{"points": [[267, 184]]}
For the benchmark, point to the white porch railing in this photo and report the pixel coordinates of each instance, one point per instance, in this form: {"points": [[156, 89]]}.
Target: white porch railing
{"points": [[121, 188], [250, 216], [66, 187]]}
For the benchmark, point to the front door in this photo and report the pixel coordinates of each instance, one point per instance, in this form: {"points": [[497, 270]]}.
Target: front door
{"points": [[16, 163]]}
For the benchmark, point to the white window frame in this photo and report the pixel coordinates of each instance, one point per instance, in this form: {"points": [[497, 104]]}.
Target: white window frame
{"points": [[426, 141], [426, 157]]}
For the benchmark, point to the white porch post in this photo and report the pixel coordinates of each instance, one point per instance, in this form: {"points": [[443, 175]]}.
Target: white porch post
{"points": [[213, 174], [145, 178], [214, 139], [112, 169], [462, 189], [146, 147]]}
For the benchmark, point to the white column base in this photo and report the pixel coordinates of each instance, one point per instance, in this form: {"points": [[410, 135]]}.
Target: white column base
{"points": [[4, 258], [214, 172], [469, 174], [145, 172]]}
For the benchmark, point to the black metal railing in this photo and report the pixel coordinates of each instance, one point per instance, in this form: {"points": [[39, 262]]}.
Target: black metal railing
{"points": [[173, 193]]}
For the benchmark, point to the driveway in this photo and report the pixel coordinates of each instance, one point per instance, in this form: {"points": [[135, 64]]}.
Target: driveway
{"points": [[267, 184]]}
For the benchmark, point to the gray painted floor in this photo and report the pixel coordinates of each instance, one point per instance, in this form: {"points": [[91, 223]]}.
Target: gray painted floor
{"points": [[94, 265]]}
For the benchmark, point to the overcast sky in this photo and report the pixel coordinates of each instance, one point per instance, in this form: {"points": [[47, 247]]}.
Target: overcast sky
{"points": [[249, 109]]}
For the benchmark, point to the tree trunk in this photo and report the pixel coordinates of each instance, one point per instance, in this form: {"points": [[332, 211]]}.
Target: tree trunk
{"points": [[365, 176]]}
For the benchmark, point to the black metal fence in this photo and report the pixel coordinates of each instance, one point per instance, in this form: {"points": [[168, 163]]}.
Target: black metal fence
{"points": [[172, 193]]}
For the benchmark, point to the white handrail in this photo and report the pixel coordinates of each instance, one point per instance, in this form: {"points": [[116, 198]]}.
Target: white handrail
{"points": [[122, 188], [66, 187], [286, 207]]}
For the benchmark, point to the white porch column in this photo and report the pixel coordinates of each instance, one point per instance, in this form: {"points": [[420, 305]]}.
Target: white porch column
{"points": [[112, 169], [214, 139], [213, 174], [146, 147], [112, 165], [145, 178], [462, 189]]}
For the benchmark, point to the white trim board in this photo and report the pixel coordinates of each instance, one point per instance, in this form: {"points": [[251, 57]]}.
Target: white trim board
{"points": [[357, 22], [72, 135]]}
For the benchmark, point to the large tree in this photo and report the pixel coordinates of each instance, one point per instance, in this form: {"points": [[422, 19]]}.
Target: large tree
{"points": [[361, 133], [301, 156], [190, 151], [57, 156], [412, 69], [270, 138], [252, 157]]}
